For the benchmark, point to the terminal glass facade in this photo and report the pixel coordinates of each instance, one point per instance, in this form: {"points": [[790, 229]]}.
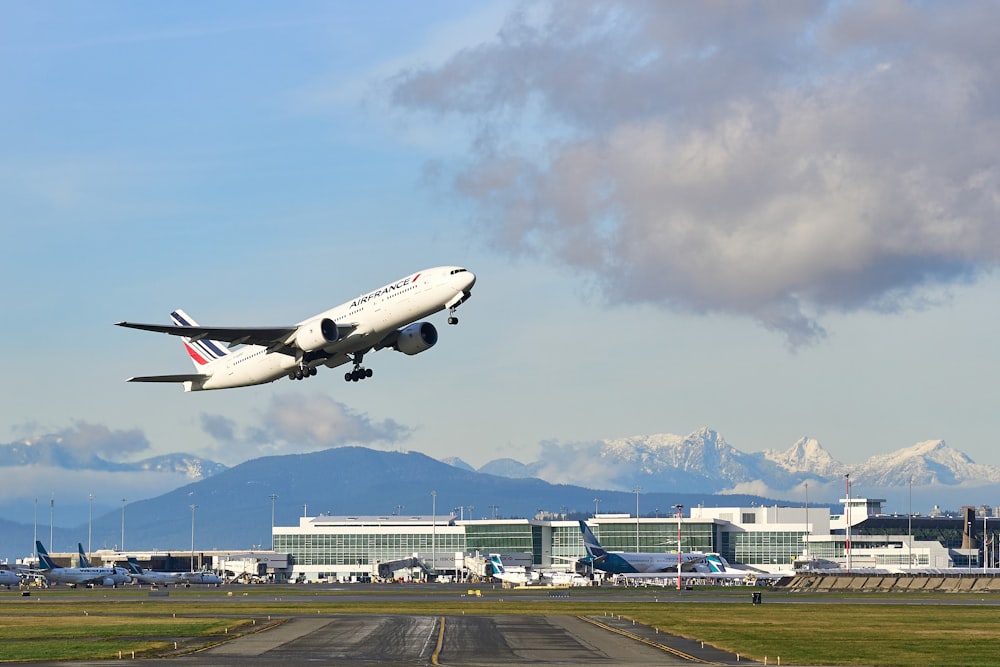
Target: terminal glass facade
{"points": [[763, 547], [659, 537], [365, 548], [496, 537], [567, 543]]}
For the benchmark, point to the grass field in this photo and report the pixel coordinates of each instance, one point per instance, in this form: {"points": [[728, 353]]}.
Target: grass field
{"points": [[880, 630]]}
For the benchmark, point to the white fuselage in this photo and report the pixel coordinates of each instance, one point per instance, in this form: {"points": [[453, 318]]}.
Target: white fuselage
{"points": [[370, 317], [108, 576], [157, 578], [8, 578]]}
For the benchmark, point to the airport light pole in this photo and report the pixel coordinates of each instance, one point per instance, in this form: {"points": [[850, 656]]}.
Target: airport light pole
{"points": [[807, 521], [90, 523], [434, 497], [679, 508], [597, 502], [636, 490], [909, 527], [274, 496], [847, 542], [193, 508], [123, 523]]}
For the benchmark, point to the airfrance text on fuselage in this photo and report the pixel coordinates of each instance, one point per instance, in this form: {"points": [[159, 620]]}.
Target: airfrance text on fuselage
{"points": [[384, 290]]}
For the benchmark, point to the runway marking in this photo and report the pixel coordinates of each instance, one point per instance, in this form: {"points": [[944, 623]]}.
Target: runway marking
{"points": [[440, 645], [662, 647]]}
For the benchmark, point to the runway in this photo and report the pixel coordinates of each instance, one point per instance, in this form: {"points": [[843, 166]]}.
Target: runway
{"points": [[478, 641]]}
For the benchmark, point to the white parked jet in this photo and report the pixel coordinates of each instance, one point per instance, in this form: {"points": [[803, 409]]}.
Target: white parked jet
{"points": [[513, 575], [106, 576], [167, 578], [9, 578], [385, 318]]}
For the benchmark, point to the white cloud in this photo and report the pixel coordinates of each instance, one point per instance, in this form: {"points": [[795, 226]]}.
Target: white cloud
{"points": [[296, 423], [776, 163]]}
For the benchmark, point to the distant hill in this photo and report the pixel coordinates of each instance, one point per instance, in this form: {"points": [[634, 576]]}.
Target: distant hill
{"points": [[234, 506]]}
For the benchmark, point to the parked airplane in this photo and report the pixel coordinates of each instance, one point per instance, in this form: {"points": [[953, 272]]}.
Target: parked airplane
{"points": [[515, 576], [9, 578], [150, 576], [699, 565], [201, 578], [73, 576], [385, 318], [167, 578]]}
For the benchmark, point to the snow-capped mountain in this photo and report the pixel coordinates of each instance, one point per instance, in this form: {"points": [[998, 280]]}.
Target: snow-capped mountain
{"points": [[704, 461], [928, 462], [57, 453], [806, 457]]}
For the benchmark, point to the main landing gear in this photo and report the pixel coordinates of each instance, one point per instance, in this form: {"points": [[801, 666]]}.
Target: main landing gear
{"points": [[302, 372], [359, 372]]}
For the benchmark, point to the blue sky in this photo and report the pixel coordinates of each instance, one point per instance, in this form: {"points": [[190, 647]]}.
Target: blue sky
{"points": [[773, 220]]}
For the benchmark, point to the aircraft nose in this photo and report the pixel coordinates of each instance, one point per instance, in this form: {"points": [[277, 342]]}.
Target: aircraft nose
{"points": [[470, 279]]}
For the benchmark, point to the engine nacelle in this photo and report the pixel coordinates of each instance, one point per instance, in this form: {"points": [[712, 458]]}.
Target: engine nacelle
{"points": [[108, 581], [317, 334], [416, 338]]}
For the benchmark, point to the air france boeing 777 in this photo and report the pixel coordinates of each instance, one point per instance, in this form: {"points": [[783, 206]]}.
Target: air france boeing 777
{"points": [[385, 318]]}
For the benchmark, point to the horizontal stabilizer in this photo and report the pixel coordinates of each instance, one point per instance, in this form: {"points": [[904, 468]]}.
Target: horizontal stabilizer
{"points": [[191, 377]]}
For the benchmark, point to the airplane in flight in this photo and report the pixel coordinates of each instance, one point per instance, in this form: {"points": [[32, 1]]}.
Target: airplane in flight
{"points": [[384, 318], [73, 576], [693, 565], [167, 578]]}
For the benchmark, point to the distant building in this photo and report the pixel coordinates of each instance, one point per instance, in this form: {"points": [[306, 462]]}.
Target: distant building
{"points": [[768, 538]]}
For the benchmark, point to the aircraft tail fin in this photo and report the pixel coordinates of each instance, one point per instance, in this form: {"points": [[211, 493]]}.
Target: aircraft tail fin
{"points": [[44, 559], [590, 543], [84, 561], [133, 566], [498, 568], [715, 564], [201, 350]]}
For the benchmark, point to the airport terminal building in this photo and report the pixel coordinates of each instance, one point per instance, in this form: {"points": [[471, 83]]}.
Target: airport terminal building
{"points": [[351, 548]]}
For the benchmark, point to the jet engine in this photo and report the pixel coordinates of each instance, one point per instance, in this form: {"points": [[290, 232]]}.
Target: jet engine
{"points": [[108, 581], [416, 338], [317, 334]]}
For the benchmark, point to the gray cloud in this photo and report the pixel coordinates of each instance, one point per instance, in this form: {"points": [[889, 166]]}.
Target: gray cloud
{"points": [[85, 440], [294, 423], [776, 161]]}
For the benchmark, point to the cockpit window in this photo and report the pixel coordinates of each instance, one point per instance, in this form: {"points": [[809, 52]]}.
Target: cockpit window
{"points": [[454, 271]]}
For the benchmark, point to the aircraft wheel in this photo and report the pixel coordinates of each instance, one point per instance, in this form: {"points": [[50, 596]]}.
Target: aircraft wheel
{"points": [[347, 377], [369, 372], [452, 320]]}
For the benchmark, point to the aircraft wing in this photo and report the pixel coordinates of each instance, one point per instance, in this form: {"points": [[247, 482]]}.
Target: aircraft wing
{"points": [[271, 337], [192, 377]]}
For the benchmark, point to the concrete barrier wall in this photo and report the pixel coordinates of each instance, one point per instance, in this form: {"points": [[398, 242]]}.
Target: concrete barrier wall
{"points": [[958, 583]]}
